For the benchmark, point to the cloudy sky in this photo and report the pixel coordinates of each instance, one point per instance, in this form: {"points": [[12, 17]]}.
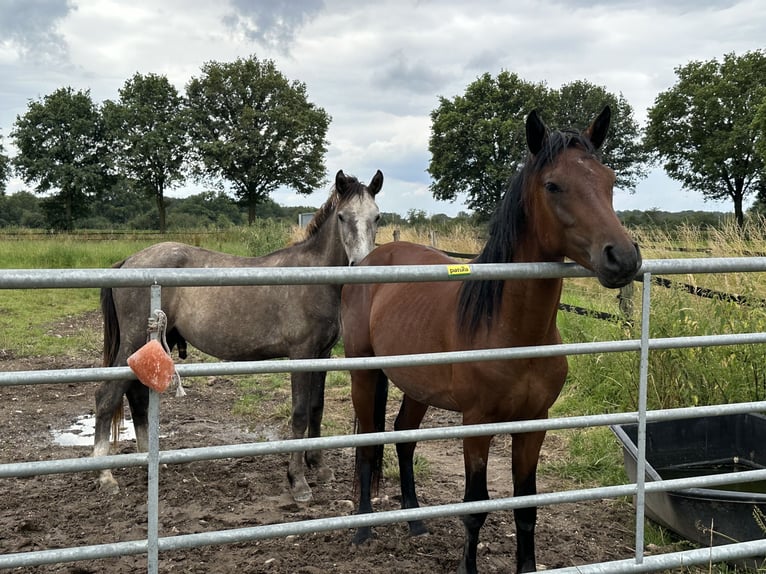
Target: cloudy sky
{"points": [[378, 68]]}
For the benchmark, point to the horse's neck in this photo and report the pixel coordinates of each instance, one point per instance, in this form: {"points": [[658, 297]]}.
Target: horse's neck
{"points": [[326, 246], [528, 311], [529, 306]]}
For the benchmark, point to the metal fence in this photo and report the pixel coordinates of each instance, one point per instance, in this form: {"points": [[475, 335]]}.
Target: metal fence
{"points": [[155, 278]]}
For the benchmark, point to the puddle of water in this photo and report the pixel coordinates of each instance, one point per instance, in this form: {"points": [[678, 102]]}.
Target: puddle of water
{"points": [[82, 431], [264, 432]]}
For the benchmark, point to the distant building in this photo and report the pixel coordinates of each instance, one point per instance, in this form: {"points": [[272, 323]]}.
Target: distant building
{"points": [[304, 218]]}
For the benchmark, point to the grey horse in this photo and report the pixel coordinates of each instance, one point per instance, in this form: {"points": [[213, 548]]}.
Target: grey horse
{"points": [[243, 323]]}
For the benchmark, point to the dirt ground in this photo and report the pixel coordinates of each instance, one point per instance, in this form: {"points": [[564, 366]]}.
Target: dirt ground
{"points": [[65, 510]]}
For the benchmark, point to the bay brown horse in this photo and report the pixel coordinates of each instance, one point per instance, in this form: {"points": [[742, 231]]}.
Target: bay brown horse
{"points": [[244, 323], [558, 206]]}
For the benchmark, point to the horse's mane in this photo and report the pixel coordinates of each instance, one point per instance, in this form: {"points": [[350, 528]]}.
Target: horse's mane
{"points": [[479, 300], [329, 206]]}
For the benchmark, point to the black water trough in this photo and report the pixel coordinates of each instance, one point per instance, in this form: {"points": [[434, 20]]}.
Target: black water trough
{"points": [[696, 447]]}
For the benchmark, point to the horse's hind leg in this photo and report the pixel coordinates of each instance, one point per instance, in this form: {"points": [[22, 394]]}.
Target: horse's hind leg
{"points": [[369, 390], [138, 398], [108, 403], [315, 458], [525, 453], [475, 452], [410, 415]]}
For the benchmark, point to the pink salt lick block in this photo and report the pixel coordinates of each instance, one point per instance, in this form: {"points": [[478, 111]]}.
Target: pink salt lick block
{"points": [[153, 366]]}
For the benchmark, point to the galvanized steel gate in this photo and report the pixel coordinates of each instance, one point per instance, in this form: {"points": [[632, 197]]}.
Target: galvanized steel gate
{"points": [[153, 544]]}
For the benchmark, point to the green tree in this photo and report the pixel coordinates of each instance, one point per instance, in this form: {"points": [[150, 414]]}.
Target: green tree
{"points": [[147, 132], [5, 168], [759, 127], [61, 149], [21, 209], [578, 103], [478, 139], [256, 130], [702, 128], [123, 205]]}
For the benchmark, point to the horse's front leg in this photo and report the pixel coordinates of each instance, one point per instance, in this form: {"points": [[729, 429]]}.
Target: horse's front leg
{"points": [[410, 416], [315, 458], [525, 454], [475, 453], [301, 393]]}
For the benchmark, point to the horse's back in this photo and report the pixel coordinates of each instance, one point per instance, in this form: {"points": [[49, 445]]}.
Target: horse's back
{"points": [[406, 253], [172, 254]]}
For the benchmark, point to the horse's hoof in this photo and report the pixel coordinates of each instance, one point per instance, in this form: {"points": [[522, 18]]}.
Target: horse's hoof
{"points": [[108, 486], [418, 528], [325, 474], [362, 535], [301, 491]]}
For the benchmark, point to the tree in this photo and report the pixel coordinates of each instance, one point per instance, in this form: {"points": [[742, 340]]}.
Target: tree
{"points": [[251, 127], [478, 140], [5, 168], [147, 131], [61, 148], [759, 126], [702, 128], [21, 209], [575, 107]]}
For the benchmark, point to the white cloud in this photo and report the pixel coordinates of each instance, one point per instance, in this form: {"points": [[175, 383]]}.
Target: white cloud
{"points": [[377, 68]]}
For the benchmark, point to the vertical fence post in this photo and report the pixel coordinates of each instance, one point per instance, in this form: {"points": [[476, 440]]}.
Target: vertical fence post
{"points": [[641, 439], [153, 463]]}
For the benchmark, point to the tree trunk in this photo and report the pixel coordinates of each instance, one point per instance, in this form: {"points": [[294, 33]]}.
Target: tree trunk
{"points": [[738, 215], [251, 205], [159, 196]]}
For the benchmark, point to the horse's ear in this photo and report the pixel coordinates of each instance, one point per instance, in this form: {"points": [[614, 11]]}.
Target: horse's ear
{"points": [[536, 132], [340, 182], [376, 184], [596, 131]]}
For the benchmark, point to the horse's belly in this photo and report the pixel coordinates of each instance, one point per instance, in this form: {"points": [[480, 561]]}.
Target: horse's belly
{"points": [[427, 385]]}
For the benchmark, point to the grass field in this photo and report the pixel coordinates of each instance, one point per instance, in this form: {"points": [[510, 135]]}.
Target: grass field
{"points": [[601, 383]]}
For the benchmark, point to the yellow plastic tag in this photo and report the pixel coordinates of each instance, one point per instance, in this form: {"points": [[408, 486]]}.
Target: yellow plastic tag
{"points": [[462, 269]]}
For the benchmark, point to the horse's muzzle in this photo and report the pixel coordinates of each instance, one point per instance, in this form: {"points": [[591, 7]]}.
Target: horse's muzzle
{"points": [[619, 266]]}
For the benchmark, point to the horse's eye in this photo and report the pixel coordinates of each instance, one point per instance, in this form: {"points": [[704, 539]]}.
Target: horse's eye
{"points": [[341, 218], [377, 218], [552, 187]]}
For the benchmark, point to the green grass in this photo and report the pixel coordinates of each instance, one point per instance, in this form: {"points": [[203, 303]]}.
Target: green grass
{"points": [[421, 465], [27, 318], [26, 315]]}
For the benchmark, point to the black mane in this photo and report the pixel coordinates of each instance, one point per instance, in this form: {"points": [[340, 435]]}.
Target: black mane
{"points": [[479, 300]]}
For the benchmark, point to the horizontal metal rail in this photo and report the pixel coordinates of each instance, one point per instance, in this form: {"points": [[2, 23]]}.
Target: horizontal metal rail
{"points": [[195, 454], [93, 374], [219, 276], [40, 279], [280, 530]]}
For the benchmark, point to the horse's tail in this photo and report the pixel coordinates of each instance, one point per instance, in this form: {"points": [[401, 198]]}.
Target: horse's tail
{"points": [[111, 347], [379, 420]]}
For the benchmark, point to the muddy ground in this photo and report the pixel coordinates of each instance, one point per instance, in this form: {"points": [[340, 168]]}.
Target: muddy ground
{"points": [[68, 509]]}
